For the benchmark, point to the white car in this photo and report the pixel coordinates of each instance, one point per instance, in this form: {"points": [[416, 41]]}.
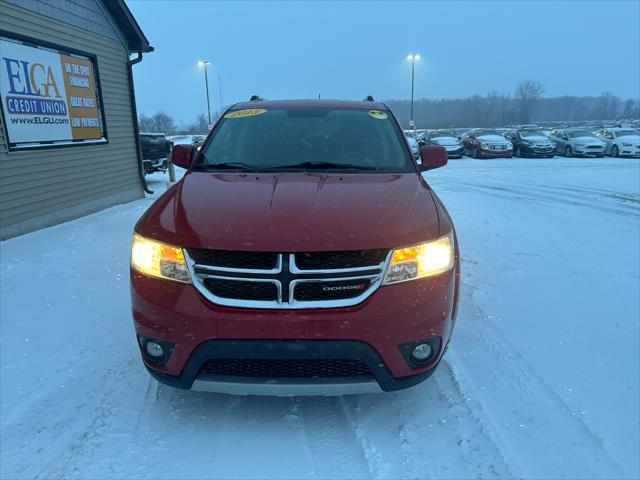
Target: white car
{"points": [[415, 146], [620, 141]]}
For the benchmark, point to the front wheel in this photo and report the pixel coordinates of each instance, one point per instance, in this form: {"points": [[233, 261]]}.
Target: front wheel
{"points": [[614, 151], [517, 152], [567, 151]]}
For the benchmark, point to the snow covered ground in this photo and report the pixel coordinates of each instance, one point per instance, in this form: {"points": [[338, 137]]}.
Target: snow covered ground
{"points": [[541, 380]]}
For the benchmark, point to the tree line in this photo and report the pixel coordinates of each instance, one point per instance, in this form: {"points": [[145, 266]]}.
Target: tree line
{"points": [[161, 122], [526, 105]]}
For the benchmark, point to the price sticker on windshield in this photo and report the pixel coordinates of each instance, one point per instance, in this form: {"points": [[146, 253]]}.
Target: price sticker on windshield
{"points": [[249, 112], [379, 114]]}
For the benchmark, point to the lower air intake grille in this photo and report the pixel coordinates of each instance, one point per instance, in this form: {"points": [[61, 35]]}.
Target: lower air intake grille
{"points": [[274, 368]]}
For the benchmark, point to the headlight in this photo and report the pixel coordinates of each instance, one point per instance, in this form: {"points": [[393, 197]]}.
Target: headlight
{"points": [[484, 145], [421, 260], [158, 259]]}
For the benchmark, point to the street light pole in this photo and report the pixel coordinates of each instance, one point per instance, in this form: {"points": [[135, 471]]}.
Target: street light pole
{"points": [[412, 58], [205, 64]]}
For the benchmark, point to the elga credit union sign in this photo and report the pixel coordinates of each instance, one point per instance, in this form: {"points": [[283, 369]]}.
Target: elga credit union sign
{"points": [[48, 97]]}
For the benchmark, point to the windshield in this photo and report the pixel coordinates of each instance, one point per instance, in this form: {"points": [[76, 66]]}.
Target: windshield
{"points": [[531, 133], [624, 133], [479, 133], [302, 138], [579, 133]]}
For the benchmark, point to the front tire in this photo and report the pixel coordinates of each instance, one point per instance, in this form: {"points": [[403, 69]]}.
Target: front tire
{"points": [[614, 151], [517, 152], [567, 151]]}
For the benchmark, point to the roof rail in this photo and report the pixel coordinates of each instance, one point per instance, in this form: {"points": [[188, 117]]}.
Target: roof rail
{"points": [[368, 98], [256, 98]]}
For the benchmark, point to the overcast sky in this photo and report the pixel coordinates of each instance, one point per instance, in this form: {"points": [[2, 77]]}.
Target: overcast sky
{"points": [[350, 50]]}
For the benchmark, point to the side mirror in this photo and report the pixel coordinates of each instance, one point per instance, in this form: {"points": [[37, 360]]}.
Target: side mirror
{"points": [[181, 155], [432, 156]]}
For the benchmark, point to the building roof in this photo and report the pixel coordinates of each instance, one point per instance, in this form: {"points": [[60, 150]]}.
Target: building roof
{"points": [[361, 105], [136, 40]]}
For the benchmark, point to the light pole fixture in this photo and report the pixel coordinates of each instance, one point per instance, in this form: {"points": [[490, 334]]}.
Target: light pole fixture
{"points": [[205, 64], [412, 58]]}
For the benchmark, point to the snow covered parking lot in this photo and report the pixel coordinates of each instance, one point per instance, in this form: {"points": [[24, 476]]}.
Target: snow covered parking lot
{"points": [[541, 380]]}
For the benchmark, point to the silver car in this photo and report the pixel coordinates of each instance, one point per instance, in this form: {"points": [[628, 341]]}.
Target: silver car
{"points": [[446, 139], [577, 141], [620, 141]]}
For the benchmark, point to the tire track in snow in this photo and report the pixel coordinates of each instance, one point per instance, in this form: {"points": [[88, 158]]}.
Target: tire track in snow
{"points": [[427, 431], [523, 407], [332, 440]]}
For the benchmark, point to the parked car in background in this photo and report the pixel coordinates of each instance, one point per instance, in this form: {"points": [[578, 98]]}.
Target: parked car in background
{"points": [[189, 139], [577, 141], [447, 139], [155, 148], [486, 143], [620, 141], [413, 143], [530, 143]]}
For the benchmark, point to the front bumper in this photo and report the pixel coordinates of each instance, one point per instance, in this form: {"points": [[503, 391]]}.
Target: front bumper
{"points": [[580, 150], [535, 151], [487, 153], [454, 151], [374, 332], [629, 151], [192, 377]]}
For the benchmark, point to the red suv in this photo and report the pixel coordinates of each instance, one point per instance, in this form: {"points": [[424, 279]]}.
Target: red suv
{"points": [[301, 253]]}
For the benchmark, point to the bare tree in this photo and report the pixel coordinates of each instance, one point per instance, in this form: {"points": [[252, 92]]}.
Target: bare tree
{"points": [[527, 94]]}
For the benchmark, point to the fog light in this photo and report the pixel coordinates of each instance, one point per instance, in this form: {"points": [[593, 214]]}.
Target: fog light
{"points": [[154, 349], [422, 352]]}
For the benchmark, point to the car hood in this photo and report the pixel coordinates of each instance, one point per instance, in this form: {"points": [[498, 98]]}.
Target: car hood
{"points": [[538, 139], [586, 141], [293, 212], [492, 138], [635, 139], [445, 141]]}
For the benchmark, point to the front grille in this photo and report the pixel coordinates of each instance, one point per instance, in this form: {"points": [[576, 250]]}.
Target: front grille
{"points": [[287, 280], [278, 368], [314, 291], [594, 147], [234, 259], [344, 259], [242, 290]]}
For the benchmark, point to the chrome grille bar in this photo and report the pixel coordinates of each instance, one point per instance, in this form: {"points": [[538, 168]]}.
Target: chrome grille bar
{"points": [[286, 276]]}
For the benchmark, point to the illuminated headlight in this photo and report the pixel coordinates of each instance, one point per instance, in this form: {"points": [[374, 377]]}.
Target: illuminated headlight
{"points": [[158, 259], [421, 261]]}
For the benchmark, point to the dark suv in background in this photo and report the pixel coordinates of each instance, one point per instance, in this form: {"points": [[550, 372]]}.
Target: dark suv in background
{"points": [[155, 148]]}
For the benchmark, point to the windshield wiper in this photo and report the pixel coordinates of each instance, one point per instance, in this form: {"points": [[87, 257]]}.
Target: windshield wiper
{"points": [[227, 165], [319, 165]]}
